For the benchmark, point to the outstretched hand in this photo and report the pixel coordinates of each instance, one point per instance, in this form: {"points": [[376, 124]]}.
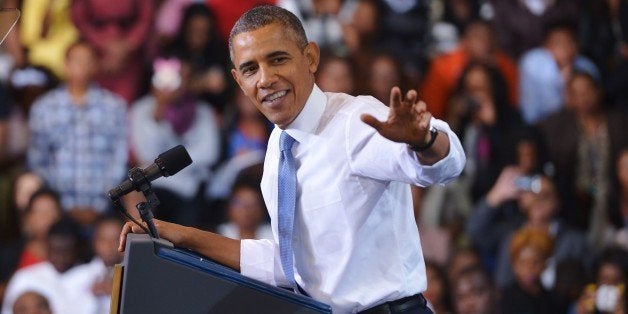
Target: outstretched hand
{"points": [[408, 120]]}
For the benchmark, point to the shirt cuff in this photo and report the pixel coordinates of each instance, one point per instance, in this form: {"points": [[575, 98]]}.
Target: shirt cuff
{"points": [[448, 168]]}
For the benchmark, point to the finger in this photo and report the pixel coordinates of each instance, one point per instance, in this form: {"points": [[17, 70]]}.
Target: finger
{"points": [[424, 120], [420, 107], [395, 97], [411, 97], [125, 230], [372, 121]]}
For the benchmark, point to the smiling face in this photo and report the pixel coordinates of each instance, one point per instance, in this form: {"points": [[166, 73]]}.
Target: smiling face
{"points": [[274, 71]]}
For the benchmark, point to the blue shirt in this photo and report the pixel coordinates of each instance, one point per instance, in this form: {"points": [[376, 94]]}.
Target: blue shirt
{"points": [[541, 84], [79, 150]]}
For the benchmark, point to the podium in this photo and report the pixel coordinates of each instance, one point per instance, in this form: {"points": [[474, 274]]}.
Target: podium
{"points": [[156, 277]]}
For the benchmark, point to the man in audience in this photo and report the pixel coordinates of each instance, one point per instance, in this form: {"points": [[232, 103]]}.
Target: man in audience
{"points": [[78, 138], [544, 71]]}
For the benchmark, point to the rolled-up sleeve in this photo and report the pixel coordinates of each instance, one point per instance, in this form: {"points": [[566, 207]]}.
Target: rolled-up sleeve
{"points": [[447, 168], [374, 156], [259, 259]]}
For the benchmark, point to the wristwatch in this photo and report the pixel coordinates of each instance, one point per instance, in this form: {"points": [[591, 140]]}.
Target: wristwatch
{"points": [[418, 149]]}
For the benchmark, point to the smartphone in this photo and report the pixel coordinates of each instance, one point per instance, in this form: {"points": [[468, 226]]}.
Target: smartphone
{"points": [[529, 183]]}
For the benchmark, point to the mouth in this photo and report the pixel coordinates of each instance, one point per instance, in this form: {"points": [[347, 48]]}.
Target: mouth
{"points": [[275, 98]]}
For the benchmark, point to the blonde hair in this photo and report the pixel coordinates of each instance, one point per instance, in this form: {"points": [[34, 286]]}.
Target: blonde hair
{"points": [[531, 237]]}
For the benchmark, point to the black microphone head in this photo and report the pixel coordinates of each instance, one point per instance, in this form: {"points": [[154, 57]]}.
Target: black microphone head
{"points": [[173, 160]]}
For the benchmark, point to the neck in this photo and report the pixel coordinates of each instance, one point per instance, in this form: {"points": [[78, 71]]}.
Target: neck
{"points": [[591, 121], [77, 92]]}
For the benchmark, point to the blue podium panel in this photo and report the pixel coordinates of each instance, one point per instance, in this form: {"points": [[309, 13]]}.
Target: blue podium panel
{"points": [[159, 278]]}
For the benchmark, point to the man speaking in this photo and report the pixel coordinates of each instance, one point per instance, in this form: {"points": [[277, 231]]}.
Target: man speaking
{"points": [[336, 179]]}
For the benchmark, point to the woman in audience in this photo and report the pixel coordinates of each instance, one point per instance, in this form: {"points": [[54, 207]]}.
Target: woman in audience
{"points": [[608, 293], [529, 250], [583, 141], [481, 113], [473, 292], [246, 213], [199, 44], [336, 74]]}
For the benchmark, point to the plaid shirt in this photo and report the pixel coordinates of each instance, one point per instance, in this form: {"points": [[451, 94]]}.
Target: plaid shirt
{"points": [[80, 150]]}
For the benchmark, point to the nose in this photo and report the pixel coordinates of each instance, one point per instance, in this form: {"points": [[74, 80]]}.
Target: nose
{"points": [[267, 77]]}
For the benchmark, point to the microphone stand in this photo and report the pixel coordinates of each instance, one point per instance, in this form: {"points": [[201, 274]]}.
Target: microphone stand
{"points": [[145, 209]]}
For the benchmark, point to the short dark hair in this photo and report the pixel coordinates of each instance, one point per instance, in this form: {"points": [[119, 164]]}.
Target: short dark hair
{"points": [[264, 15]]}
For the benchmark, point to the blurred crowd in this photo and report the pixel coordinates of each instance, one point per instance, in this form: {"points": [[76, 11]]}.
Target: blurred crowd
{"points": [[537, 91]]}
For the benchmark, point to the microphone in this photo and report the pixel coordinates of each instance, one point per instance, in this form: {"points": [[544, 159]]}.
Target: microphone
{"points": [[166, 164]]}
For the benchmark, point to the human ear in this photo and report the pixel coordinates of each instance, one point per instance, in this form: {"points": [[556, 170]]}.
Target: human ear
{"points": [[312, 53]]}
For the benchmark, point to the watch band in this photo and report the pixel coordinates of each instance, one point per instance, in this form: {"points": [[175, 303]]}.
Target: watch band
{"points": [[418, 149]]}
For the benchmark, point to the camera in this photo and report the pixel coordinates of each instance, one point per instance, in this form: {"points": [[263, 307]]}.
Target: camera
{"points": [[529, 183]]}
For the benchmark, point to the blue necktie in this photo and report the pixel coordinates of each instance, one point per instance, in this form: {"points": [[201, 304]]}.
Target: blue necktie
{"points": [[287, 201]]}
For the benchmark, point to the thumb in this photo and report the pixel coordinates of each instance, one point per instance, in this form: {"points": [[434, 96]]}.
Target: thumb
{"points": [[372, 121]]}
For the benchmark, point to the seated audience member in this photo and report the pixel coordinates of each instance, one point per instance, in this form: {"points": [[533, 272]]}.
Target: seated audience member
{"points": [[244, 139], [541, 207], [461, 259], [583, 141], [608, 293], [78, 138], [44, 209], [95, 278], [336, 74], [14, 197], [545, 70], [383, 73], [169, 116], [476, 45], [473, 292], [30, 248], [481, 113], [199, 44], [437, 293], [55, 278], [529, 250], [119, 32], [246, 130], [31, 302], [246, 212]]}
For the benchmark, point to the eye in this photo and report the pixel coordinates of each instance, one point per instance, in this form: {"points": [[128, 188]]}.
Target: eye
{"points": [[248, 71], [279, 60]]}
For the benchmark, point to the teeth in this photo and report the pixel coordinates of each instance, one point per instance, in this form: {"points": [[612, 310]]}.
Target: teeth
{"points": [[276, 95]]}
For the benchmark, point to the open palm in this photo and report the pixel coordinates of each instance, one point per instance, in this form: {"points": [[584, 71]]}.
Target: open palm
{"points": [[408, 120]]}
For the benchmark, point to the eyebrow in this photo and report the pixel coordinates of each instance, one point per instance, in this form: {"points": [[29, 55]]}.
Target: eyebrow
{"points": [[268, 56]]}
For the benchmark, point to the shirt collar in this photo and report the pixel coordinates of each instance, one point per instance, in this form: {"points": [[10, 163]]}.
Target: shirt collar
{"points": [[92, 91], [309, 117]]}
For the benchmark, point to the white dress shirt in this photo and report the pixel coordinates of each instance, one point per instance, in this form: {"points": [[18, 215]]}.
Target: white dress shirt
{"points": [[356, 243], [63, 290]]}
